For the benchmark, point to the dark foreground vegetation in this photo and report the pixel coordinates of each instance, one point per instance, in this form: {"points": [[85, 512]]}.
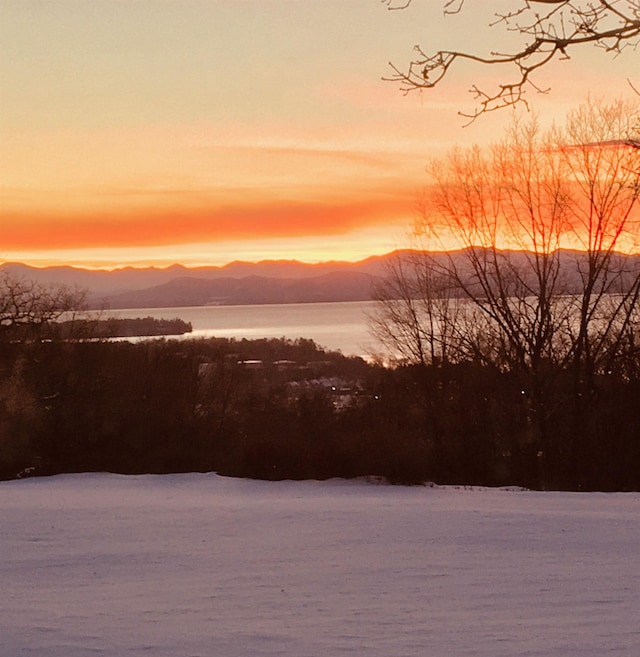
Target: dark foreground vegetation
{"points": [[276, 409]]}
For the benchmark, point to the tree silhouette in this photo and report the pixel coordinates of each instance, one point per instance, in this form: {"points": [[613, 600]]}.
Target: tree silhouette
{"points": [[27, 305], [525, 269]]}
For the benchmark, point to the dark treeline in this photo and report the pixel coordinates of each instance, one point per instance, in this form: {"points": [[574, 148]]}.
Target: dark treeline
{"points": [[114, 327], [91, 329], [276, 409]]}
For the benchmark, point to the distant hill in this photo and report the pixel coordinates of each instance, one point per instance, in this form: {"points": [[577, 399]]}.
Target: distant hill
{"points": [[269, 281], [184, 291]]}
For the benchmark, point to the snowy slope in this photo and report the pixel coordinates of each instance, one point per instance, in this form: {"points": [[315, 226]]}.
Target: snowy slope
{"points": [[200, 565]]}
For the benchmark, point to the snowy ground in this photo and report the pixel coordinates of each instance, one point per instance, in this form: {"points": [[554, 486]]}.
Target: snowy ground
{"points": [[200, 565]]}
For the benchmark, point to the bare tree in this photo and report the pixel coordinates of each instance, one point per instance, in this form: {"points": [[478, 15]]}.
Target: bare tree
{"points": [[510, 195], [550, 30], [26, 305], [536, 237], [416, 318], [603, 165], [519, 227]]}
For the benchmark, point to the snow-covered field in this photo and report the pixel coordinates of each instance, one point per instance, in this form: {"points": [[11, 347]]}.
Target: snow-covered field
{"points": [[200, 565]]}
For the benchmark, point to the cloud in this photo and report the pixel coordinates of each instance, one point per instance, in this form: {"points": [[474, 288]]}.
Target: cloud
{"points": [[184, 224]]}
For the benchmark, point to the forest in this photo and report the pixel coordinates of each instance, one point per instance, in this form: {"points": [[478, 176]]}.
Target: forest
{"points": [[279, 409]]}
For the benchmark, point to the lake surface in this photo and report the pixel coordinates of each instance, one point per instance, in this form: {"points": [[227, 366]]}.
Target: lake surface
{"points": [[337, 326]]}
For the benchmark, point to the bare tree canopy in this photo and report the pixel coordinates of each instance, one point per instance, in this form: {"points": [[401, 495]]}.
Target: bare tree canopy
{"points": [[529, 265], [531, 235], [26, 304], [550, 30]]}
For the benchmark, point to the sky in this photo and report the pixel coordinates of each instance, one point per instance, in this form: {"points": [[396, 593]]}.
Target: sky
{"points": [[150, 132]]}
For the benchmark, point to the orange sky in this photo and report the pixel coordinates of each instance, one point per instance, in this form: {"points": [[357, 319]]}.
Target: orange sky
{"points": [[184, 223], [154, 132]]}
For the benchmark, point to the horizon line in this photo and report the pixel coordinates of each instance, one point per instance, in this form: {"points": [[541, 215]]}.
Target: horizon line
{"points": [[266, 261]]}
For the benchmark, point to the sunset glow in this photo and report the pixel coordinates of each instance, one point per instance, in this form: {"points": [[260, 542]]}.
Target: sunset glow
{"points": [[198, 132]]}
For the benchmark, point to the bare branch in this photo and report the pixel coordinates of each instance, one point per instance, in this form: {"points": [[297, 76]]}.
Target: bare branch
{"points": [[553, 33], [25, 304]]}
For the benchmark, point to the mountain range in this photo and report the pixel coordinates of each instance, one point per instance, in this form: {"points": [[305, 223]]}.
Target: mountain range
{"points": [[269, 281], [237, 283]]}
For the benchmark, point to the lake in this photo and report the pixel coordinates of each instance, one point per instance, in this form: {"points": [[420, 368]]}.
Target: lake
{"points": [[338, 326]]}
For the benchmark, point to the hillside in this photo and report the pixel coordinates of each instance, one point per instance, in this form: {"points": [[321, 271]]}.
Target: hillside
{"points": [[185, 291]]}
